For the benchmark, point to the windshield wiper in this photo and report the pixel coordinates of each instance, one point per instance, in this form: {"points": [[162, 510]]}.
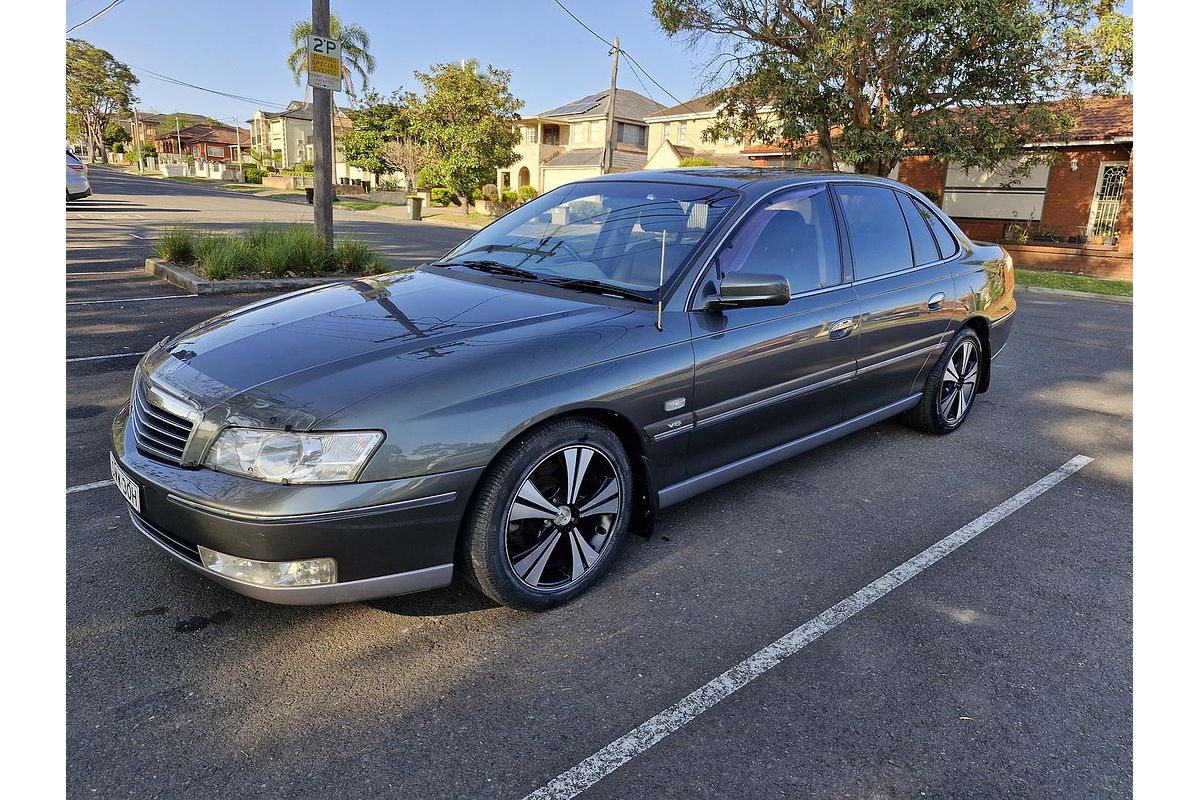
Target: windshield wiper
{"points": [[490, 267], [597, 287]]}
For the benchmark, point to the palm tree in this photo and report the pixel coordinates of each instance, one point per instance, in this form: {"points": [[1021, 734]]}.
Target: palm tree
{"points": [[356, 58]]}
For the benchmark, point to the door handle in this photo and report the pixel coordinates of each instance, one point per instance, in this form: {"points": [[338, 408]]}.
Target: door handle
{"points": [[841, 328], [935, 302]]}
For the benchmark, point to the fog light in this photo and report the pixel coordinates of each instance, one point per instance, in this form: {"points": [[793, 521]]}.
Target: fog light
{"points": [[309, 572]]}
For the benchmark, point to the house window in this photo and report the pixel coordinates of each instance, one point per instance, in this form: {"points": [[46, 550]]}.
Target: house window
{"points": [[594, 131], [1106, 202], [680, 132], [631, 134], [578, 133], [214, 151], [531, 135]]}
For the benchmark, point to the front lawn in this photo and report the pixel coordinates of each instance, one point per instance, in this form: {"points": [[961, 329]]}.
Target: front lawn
{"points": [[268, 251], [1075, 283]]}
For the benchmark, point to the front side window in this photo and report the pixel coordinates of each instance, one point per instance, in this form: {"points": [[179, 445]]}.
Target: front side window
{"points": [[878, 235], [629, 235], [793, 235]]}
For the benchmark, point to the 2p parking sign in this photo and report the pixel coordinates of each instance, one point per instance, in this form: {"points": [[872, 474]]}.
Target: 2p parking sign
{"points": [[324, 63]]}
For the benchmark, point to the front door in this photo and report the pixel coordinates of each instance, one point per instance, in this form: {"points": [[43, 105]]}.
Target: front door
{"points": [[903, 285], [766, 376]]}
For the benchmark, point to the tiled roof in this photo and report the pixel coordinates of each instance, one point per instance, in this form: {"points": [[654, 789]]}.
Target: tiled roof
{"points": [[705, 104], [298, 109], [630, 105], [593, 157], [1096, 119], [208, 133]]}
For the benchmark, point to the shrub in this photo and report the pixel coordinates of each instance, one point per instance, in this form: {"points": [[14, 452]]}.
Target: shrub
{"points": [[357, 258], [443, 197], [509, 196], [697, 161], [490, 192], [220, 256], [388, 186], [526, 193], [278, 250], [254, 174], [176, 244]]}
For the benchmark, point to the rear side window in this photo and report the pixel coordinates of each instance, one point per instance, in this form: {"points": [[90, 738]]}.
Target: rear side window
{"points": [[793, 235], [878, 235], [924, 250], [945, 239]]}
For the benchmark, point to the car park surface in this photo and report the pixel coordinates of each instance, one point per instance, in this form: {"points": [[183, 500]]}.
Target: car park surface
{"points": [[1002, 670]]}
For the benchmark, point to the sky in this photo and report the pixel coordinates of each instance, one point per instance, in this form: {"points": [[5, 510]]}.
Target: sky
{"points": [[241, 47]]}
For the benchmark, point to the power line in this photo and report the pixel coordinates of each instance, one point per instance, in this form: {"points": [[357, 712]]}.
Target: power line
{"points": [[178, 82], [99, 13], [633, 61]]}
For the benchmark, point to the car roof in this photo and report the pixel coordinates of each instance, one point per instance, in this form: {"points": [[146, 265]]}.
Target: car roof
{"points": [[752, 180]]}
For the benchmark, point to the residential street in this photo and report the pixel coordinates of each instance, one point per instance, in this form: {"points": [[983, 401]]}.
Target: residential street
{"points": [[1002, 670]]}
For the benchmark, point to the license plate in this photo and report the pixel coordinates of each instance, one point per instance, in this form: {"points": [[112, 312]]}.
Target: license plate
{"points": [[125, 484]]}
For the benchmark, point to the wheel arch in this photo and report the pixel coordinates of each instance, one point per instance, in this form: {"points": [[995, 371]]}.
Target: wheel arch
{"points": [[645, 508], [982, 329]]}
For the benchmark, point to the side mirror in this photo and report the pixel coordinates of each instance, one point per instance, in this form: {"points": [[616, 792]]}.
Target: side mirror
{"points": [[747, 289]]}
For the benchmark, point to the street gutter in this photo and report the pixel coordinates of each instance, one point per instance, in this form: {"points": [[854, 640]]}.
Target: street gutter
{"points": [[1072, 294]]}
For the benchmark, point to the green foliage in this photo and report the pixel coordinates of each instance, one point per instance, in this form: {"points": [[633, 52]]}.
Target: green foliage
{"points": [[98, 88], [933, 196], [176, 244], [115, 135], [254, 174], [865, 82], [267, 250], [383, 139], [526, 193], [697, 161], [1075, 283], [443, 197], [356, 51], [466, 119], [357, 258], [509, 196], [490, 192]]}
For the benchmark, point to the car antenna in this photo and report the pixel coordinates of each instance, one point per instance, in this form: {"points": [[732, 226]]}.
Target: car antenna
{"points": [[662, 268]]}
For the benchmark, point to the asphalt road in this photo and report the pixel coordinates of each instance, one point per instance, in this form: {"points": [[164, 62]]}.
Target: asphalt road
{"points": [[1002, 670]]}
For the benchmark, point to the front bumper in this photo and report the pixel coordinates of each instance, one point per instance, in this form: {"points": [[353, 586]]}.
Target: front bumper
{"points": [[388, 537]]}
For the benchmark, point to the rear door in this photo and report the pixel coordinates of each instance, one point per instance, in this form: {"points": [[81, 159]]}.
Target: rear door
{"points": [[765, 376], [902, 284]]}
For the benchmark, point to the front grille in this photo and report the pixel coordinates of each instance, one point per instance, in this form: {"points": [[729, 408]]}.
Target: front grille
{"points": [[173, 543], [158, 433]]}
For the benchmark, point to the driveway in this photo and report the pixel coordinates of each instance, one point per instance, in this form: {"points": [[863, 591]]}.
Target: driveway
{"points": [[1002, 669]]}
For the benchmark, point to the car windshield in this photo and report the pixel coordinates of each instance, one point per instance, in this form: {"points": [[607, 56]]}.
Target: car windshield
{"points": [[628, 237]]}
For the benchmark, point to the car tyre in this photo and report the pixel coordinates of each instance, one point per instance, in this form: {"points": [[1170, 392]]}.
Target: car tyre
{"points": [[950, 390], [549, 515]]}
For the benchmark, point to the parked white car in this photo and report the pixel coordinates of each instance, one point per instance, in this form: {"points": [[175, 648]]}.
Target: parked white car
{"points": [[78, 186]]}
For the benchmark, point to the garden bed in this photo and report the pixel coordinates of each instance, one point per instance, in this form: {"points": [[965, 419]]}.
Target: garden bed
{"points": [[266, 253]]}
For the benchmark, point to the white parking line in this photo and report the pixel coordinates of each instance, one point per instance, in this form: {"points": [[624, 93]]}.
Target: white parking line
{"points": [[106, 272], [101, 358], [130, 299], [85, 486], [594, 768]]}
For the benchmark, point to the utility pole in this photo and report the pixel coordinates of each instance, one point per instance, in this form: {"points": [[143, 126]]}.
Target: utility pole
{"points": [[137, 139], [322, 109], [610, 121]]}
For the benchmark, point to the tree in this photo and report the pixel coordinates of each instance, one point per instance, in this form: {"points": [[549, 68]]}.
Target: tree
{"points": [[865, 82], [356, 56], [383, 137], [467, 119], [115, 135], [98, 88]]}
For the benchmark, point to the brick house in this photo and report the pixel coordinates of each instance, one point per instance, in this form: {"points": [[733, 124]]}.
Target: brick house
{"points": [[205, 142], [1075, 214]]}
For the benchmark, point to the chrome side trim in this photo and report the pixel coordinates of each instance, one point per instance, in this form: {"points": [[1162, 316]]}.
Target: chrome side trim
{"points": [[737, 469], [317, 516], [417, 580], [902, 357], [754, 405]]}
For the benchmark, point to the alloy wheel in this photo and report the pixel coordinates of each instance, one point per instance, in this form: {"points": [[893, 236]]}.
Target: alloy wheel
{"points": [[561, 519], [958, 383]]}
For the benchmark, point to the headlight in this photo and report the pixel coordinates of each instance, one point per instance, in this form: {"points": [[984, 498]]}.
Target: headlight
{"points": [[290, 457]]}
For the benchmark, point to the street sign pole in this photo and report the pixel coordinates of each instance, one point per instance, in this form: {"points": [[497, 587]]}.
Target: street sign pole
{"points": [[324, 58]]}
